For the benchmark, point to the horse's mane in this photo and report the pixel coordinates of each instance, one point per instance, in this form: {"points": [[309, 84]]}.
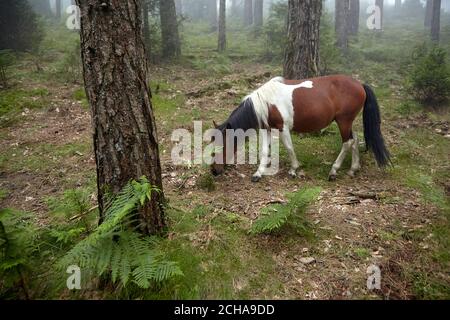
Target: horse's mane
{"points": [[244, 117], [253, 111]]}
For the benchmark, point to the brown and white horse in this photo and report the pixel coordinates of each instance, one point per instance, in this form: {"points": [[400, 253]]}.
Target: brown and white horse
{"points": [[307, 106]]}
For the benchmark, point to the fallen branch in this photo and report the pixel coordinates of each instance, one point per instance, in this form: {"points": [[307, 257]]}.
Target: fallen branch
{"points": [[78, 216]]}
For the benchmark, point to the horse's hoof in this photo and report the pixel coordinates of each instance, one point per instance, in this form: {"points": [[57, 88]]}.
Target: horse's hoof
{"points": [[351, 174], [302, 175], [256, 179], [332, 177], [293, 174]]}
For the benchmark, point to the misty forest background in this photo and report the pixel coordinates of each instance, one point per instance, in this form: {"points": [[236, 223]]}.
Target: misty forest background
{"points": [[81, 185]]}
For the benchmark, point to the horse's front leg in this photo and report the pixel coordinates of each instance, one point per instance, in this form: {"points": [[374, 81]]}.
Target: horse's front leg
{"points": [[265, 159], [287, 141]]}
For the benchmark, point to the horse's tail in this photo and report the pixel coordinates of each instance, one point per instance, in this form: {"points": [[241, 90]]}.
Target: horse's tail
{"points": [[372, 129]]}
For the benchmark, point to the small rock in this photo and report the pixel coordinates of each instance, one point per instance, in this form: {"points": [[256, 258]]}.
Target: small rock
{"points": [[308, 260]]}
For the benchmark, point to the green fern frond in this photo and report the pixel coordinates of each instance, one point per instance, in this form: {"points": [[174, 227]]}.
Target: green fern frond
{"points": [[115, 248], [276, 216]]}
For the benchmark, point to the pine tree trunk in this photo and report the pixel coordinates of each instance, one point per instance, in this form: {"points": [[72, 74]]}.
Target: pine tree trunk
{"points": [[380, 4], [222, 26], [115, 73], [436, 20], [302, 51], [234, 8], [353, 28], [428, 13], [398, 4], [42, 7], [259, 13], [342, 16], [248, 13], [169, 29], [212, 13]]}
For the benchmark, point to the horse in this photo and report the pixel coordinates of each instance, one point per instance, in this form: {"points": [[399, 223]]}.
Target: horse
{"points": [[308, 106]]}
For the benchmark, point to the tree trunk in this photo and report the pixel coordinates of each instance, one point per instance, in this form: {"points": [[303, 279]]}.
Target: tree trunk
{"points": [[248, 13], [169, 29], [380, 4], [58, 9], [428, 13], [302, 51], [212, 13], [259, 13], [147, 35], [353, 27], [436, 20], [234, 8], [398, 4], [342, 16], [115, 73], [222, 26]]}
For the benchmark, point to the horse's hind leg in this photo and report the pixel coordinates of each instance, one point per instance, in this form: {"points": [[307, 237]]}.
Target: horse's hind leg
{"points": [[348, 144], [356, 163]]}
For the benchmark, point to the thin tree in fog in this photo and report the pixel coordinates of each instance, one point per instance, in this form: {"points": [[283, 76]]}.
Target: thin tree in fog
{"points": [[58, 9], [115, 75], [342, 13], [248, 12], [436, 20], [380, 4], [169, 29], [398, 5], [428, 13], [302, 51], [353, 20], [222, 42], [147, 34], [258, 13]]}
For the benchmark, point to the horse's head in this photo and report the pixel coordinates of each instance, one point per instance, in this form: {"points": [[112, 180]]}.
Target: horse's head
{"points": [[220, 151]]}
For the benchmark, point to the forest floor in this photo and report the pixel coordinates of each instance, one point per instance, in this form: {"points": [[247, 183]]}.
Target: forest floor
{"points": [[395, 219]]}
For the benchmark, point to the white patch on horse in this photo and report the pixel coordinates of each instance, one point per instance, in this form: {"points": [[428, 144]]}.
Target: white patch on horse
{"points": [[276, 93], [279, 95]]}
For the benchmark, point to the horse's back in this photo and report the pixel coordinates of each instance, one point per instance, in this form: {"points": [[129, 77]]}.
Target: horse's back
{"points": [[331, 98]]}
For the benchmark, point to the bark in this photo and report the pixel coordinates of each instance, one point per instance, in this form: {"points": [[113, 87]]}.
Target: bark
{"points": [[248, 13], [428, 13], [353, 20], [302, 50], [222, 26], [436, 20], [380, 4], [115, 73], [259, 13], [169, 29], [342, 16]]}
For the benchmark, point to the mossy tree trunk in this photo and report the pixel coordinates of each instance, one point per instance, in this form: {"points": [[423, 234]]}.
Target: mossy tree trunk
{"points": [[115, 73]]}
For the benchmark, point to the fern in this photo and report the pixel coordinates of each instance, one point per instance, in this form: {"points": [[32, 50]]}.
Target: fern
{"points": [[116, 249], [276, 216]]}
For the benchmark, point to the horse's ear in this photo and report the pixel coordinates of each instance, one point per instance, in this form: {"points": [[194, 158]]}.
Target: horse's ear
{"points": [[215, 124]]}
